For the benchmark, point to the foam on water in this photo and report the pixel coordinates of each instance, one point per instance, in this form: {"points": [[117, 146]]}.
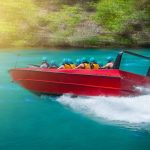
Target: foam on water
{"points": [[134, 110], [143, 90]]}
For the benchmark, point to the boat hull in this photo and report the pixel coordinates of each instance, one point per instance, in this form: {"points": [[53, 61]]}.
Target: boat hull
{"points": [[79, 82]]}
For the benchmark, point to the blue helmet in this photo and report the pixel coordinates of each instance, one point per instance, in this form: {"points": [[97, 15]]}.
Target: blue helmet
{"points": [[65, 61], [83, 60], [44, 58], [52, 63], [92, 60], [78, 61], [109, 59], [69, 61]]}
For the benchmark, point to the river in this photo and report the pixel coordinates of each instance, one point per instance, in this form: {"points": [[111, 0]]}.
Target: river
{"points": [[29, 122]]}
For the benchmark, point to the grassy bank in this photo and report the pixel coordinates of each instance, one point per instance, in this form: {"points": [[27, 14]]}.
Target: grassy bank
{"points": [[55, 23]]}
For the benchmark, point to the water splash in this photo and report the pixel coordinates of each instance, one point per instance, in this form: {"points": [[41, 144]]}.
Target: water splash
{"points": [[117, 109], [143, 90]]}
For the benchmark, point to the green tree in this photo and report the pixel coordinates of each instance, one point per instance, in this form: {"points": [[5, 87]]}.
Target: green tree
{"points": [[17, 20], [113, 14]]}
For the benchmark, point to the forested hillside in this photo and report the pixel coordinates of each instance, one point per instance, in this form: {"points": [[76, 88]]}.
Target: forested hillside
{"points": [[74, 23]]}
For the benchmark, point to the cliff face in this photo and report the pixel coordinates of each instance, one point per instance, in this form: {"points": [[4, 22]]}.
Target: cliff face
{"points": [[97, 23]]}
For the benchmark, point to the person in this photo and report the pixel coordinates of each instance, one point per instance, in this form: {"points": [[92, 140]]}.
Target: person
{"points": [[109, 64], [53, 64], [70, 62], [84, 65], [44, 64], [65, 64], [94, 64]]}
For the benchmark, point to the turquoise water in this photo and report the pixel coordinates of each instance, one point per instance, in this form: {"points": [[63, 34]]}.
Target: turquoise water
{"points": [[29, 122]]}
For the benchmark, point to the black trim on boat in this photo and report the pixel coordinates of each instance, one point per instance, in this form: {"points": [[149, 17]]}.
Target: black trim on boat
{"points": [[148, 72], [118, 60], [138, 55]]}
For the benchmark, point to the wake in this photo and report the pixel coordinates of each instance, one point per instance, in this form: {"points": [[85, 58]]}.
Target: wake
{"points": [[121, 109]]}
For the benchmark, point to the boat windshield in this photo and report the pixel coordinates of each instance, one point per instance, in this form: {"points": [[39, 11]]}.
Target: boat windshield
{"points": [[134, 64]]}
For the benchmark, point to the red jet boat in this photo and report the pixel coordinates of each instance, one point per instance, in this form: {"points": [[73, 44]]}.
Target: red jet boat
{"points": [[84, 82]]}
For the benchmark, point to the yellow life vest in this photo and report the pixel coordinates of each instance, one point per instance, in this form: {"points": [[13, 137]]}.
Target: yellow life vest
{"points": [[87, 66], [72, 66], [95, 66], [67, 66]]}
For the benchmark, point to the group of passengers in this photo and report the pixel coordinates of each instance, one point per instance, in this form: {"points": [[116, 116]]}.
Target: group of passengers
{"points": [[79, 64]]}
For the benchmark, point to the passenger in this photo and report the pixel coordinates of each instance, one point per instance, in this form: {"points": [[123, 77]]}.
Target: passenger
{"points": [[44, 63], [53, 64], [109, 64], [70, 62], [65, 64], [94, 64], [84, 65]]}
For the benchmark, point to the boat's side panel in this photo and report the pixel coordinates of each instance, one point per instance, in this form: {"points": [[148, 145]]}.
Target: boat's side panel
{"points": [[137, 79], [62, 88], [59, 83], [132, 81], [80, 82], [62, 77]]}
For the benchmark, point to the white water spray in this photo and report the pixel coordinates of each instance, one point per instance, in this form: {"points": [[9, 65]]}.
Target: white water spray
{"points": [[143, 90], [120, 109]]}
